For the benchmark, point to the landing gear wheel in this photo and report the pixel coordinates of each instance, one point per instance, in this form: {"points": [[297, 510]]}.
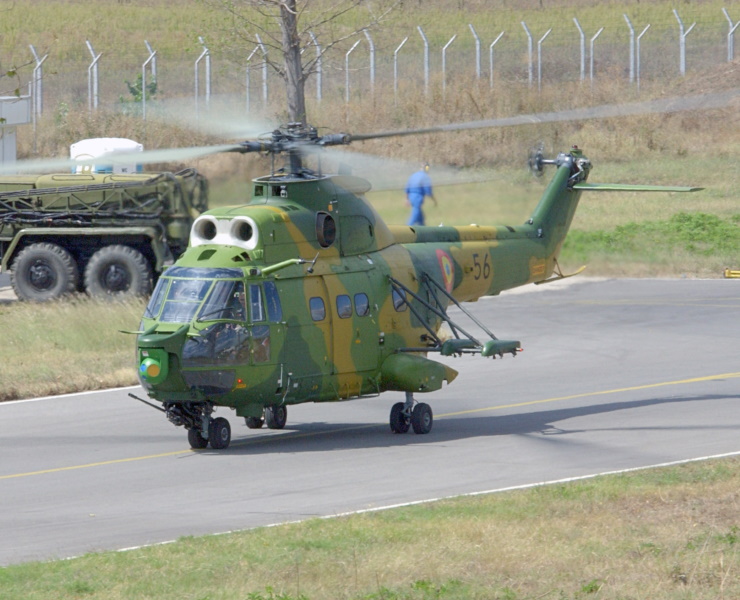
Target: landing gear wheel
{"points": [[421, 418], [197, 441], [276, 416], [118, 272], [219, 433], [399, 421], [43, 272], [254, 422]]}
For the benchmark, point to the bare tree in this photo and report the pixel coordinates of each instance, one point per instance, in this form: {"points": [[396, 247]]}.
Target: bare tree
{"points": [[287, 25]]}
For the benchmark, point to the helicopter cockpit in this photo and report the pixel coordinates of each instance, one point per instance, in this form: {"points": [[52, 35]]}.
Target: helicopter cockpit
{"points": [[229, 319]]}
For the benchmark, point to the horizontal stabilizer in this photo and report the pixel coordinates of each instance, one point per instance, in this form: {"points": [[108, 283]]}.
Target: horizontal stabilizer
{"points": [[626, 187]]}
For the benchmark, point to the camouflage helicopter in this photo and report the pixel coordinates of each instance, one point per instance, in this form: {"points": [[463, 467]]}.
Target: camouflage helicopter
{"points": [[304, 294]]}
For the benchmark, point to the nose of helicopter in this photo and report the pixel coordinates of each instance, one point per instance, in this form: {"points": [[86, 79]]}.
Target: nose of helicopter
{"points": [[153, 366]]}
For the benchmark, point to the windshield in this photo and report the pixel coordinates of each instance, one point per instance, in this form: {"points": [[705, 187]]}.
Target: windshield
{"points": [[226, 301]]}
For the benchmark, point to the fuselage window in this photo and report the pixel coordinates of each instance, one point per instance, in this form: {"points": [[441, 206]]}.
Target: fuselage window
{"points": [[255, 304], [399, 300], [274, 310], [362, 305], [344, 306], [318, 310]]}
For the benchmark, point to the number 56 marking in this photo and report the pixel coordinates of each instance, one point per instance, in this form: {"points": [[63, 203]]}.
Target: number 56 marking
{"points": [[481, 270]]}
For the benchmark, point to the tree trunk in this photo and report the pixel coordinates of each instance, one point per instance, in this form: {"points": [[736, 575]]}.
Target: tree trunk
{"points": [[294, 80]]}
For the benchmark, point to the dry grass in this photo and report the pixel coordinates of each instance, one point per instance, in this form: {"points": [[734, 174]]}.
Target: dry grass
{"points": [[66, 347]]}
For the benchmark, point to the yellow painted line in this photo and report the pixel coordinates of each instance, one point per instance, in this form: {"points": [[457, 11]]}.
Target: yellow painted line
{"points": [[601, 393], [452, 414]]}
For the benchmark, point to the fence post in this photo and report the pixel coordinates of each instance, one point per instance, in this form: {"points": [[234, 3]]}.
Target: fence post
{"points": [[632, 47], [264, 69], [730, 37], [477, 50], [248, 78], [583, 48], [92, 79], [207, 56], [152, 59], [395, 67], [372, 61], [539, 60], [637, 58], [37, 85], [529, 50], [444, 64], [315, 42], [490, 54], [346, 71], [591, 65], [682, 42], [426, 58]]}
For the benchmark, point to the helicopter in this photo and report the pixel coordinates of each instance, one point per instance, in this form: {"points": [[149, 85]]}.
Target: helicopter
{"points": [[304, 294]]}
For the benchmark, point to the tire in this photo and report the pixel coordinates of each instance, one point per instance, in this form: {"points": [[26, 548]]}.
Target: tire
{"points": [[219, 434], [44, 272], [276, 416], [254, 422], [118, 272], [197, 441], [399, 421], [421, 418]]}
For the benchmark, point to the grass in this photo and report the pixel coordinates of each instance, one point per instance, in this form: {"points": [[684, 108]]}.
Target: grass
{"points": [[66, 346], [669, 533]]}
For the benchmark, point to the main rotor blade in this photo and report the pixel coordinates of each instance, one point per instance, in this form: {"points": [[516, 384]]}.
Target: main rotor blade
{"points": [[700, 102], [123, 158]]}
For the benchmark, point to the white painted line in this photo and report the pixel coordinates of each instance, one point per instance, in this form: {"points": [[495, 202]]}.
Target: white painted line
{"points": [[88, 393]]}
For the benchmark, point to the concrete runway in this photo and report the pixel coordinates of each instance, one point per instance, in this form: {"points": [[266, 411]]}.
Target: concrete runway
{"points": [[615, 374]]}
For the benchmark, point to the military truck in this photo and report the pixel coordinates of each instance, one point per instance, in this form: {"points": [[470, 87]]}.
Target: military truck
{"points": [[107, 234]]}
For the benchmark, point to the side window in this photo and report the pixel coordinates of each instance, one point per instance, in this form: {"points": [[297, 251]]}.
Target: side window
{"points": [[344, 306], [274, 310], [362, 305], [318, 310], [399, 300], [255, 304]]}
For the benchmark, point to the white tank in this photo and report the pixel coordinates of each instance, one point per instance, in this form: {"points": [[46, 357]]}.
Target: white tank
{"points": [[95, 148]]}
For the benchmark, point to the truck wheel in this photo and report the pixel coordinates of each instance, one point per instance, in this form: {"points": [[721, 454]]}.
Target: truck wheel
{"points": [[43, 272], [118, 272]]}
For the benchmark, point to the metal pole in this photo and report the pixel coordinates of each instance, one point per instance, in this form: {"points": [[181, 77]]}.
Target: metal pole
{"points": [[264, 69], [632, 47], [37, 87], [203, 55], [444, 63], [730, 37], [92, 79], [637, 57], [682, 42], [318, 65], [583, 49], [248, 84], [591, 65], [372, 61], [154, 61], [395, 67], [426, 59], [539, 60], [529, 51], [346, 71], [490, 54], [477, 50], [151, 60]]}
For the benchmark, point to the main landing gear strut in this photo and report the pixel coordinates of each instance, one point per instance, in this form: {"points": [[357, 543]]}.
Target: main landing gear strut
{"points": [[407, 414]]}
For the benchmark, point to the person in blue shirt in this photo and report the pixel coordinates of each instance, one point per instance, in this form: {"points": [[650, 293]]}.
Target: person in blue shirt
{"points": [[418, 187]]}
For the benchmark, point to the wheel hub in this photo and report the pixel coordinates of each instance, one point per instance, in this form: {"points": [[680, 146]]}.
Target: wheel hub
{"points": [[42, 276], [116, 279]]}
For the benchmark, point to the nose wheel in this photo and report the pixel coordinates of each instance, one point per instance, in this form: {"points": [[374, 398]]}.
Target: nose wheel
{"points": [[219, 435], [411, 415]]}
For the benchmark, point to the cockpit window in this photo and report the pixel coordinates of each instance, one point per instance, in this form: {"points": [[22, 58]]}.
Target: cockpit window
{"points": [[203, 272], [274, 310], [155, 303], [226, 301], [255, 302], [183, 299]]}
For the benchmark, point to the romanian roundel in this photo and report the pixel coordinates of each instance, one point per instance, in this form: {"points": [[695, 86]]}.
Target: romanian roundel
{"points": [[448, 271]]}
